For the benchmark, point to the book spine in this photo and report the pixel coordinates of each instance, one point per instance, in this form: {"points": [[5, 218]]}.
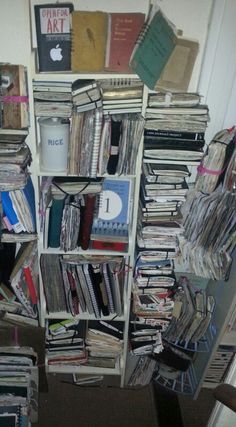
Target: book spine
{"points": [[193, 136]]}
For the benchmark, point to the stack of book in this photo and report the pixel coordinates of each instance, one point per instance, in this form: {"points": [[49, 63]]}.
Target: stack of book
{"points": [[65, 343], [174, 129], [104, 343], [80, 286], [52, 99]]}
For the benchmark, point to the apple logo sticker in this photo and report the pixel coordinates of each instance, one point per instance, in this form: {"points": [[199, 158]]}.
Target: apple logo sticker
{"points": [[55, 53]]}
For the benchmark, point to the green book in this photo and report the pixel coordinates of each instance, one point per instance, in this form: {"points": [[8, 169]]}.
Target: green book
{"points": [[55, 218], [153, 48]]}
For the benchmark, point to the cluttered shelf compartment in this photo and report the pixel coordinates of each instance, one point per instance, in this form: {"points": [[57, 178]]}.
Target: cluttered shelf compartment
{"points": [[86, 215], [87, 346]]}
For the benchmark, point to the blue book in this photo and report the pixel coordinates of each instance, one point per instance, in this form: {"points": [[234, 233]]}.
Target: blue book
{"points": [[11, 212], [115, 201]]}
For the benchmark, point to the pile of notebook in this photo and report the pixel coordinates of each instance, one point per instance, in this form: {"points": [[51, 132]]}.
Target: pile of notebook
{"points": [[121, 96], [174, 129], [65, 344], [153, 291], [18, 386], [104, 343], [52, 99], [80, 285], [86, 95]]}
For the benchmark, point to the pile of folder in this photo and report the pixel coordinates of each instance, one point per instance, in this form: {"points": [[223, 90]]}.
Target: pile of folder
{"points": [[93, 286], [104, 343], [65, 342]]}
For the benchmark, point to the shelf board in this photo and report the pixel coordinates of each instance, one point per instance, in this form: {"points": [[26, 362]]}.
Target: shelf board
{"points": [[82, 369], [70, 76], [88, 252], [83, 316]]}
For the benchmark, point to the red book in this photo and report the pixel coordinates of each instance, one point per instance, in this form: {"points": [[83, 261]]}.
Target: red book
{"points": [[31, 285], [86, 221], [123, 31], [109, 246]]}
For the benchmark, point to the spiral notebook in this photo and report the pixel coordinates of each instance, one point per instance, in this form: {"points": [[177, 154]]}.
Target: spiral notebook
{"points": [[153, 48]]}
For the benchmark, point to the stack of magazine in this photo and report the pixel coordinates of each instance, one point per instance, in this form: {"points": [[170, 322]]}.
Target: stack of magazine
{"points": [[80, 285]]}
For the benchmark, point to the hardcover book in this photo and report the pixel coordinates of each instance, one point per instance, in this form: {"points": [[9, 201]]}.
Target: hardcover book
{"points": [[53, 32], [89, 31], [123, 30]]}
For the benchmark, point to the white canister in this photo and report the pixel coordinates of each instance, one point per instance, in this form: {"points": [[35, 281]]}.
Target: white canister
{"points": [[54, 135]]}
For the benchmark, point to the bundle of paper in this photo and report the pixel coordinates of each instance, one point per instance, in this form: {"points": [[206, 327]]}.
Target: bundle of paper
{"points": [[215, 160], [209, 222]]}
